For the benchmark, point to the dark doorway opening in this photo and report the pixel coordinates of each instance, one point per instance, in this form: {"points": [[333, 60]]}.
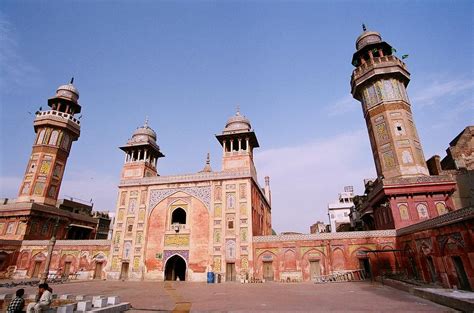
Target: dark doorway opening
{"points": [[461, 273], [175, 268], [432, 269], [365, 265], [178, 216]]}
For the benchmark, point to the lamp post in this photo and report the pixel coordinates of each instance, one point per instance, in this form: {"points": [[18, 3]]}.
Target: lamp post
{"points": [[51, 244]]}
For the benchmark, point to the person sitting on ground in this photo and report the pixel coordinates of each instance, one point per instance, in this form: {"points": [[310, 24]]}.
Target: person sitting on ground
{"points": [[43, 302], [17, 304]]}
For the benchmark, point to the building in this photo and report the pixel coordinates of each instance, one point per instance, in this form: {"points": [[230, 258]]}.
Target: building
{"points": [[340, 210], [182, 226], [404, 192], [459, 164], [318, 227], [37, 213]]}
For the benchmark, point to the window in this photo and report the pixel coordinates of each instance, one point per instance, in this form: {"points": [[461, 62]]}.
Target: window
{"points": [[178, 216], [230, 224], [10, 228], [53, 139], [41, 137], [130, 228], [44, 229]]}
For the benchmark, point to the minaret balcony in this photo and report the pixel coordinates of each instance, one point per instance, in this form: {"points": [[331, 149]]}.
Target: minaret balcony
{"points": [[378, 66], [58, 116]]}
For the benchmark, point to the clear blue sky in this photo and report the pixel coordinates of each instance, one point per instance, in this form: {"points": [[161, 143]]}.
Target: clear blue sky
{"points": [[188, 64]]}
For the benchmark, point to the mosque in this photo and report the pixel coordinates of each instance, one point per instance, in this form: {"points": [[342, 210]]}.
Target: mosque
{"points": [[412, 218]]}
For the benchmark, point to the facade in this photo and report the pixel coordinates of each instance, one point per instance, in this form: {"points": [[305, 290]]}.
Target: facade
{"points": [[440, 250], [339, 210], [182, 226]]}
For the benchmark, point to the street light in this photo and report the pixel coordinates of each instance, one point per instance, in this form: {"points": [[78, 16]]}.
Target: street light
{"points": [[51, 244]]}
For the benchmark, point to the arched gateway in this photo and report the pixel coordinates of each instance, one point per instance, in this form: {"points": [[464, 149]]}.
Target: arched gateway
{"points": [[175, 268]]}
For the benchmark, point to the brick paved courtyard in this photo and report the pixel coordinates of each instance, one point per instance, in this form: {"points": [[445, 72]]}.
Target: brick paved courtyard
{"points": [[269, 297]]}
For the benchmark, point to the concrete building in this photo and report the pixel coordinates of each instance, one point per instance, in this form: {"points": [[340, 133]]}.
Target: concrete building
{"points": [[339, 210]]}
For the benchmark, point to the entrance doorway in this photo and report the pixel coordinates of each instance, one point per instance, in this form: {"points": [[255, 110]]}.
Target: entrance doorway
{"points": [[432, 269], [230, 272], [314, 269], [461, 273], [175, 268], [67, 269], [268, 271], [364, 264], [36, 270], [98, 270], [124, 271]]}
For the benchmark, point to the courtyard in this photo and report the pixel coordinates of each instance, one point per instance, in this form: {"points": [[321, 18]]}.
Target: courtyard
{"points": [[233, 297]]}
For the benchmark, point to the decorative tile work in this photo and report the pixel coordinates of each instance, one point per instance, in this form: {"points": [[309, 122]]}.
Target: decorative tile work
{"points": [[326, 236], [446, 219], [202, 193], [169, 253]]}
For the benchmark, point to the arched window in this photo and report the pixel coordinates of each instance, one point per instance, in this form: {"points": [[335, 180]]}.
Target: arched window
{"points": [[178, 216], [53, 139], [41, 137]]}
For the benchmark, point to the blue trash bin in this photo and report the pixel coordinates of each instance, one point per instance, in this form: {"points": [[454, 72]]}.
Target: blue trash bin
{"points": [[210, 277]]}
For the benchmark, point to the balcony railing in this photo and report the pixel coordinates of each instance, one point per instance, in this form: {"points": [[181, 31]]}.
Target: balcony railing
{"points": [[57, 115]]}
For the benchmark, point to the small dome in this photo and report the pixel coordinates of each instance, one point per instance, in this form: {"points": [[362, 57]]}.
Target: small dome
{"points": [[367, 37], [144, 133], [68, 92], [237, 123]]}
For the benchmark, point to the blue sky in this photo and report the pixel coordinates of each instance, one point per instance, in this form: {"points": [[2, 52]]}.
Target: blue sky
{"points": [[186, 65]]}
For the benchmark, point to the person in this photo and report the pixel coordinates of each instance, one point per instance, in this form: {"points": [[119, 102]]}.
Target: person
{"points": [[43, 302], [17, 304]]}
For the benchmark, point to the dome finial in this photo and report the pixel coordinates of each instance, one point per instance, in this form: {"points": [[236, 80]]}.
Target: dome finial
{"points": [[72, 80], [237, 110], [146, 121], [207, 168], [363, 27]]}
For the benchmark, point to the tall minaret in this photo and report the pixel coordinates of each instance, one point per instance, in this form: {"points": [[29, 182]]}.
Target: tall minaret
{"points": [[238, 141], [378, 82], [141, 154], [56, 129]]}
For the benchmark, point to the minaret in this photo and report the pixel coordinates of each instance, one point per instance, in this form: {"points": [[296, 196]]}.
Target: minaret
{"points": [[238, 141], [379, 82], [141, 154], [56, 129]]}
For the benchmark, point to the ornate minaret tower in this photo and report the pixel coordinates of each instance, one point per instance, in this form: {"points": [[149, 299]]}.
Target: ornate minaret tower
{"points": [[56, 129], [238, 141], [141, 154], [378, 82]]}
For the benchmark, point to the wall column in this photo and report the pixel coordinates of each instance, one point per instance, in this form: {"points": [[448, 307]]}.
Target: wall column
{"points": [[224, 143], [240, 144], [247, 147], [231, 145]]}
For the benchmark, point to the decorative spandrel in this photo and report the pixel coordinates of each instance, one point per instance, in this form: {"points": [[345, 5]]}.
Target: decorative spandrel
{"points": [[202, 193]]}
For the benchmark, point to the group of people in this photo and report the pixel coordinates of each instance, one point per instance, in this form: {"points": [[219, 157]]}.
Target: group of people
{"points": [[42, 301]]}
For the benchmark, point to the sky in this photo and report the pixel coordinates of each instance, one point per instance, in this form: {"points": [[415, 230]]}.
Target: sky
{"points": [[188, 64]]}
